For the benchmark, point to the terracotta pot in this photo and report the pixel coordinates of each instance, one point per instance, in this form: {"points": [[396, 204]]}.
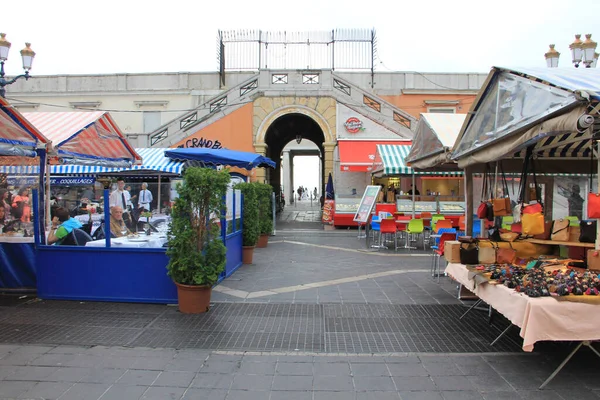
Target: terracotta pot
{"points": [[193, 299], [263, 240], [247, 253]]}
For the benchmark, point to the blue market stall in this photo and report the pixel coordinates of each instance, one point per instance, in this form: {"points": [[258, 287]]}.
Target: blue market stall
{"points": [[122, 270], [20, 142]]}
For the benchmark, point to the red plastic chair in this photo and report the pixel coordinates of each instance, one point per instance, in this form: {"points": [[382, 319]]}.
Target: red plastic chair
{"points": [[388, 226], [439, 252]]}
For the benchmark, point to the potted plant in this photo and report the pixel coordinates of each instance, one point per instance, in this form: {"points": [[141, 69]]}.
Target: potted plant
{"points": [[265, 213], [250, 227], [195, 249], [147, 215]]}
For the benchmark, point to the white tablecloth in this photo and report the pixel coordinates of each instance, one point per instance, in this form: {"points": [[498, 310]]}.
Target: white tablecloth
{"points": [[16, 239], [143, 241], [541, 318]]}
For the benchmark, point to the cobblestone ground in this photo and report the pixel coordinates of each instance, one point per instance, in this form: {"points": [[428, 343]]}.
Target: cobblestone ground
{"points": [[317, 316]]}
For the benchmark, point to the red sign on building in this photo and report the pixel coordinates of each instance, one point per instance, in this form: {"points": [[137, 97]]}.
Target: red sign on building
{"points": [[353, 125]]}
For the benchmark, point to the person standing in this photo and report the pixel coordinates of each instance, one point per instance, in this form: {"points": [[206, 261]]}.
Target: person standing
{"points": [[122, 198], [145, 198], [20, 205]]}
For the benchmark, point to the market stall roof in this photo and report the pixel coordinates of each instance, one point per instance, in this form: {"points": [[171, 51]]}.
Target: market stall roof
{"points": [[434, 139], [358, 155], [390, 160], [216, 157], [18, 137], [542, 107], [153, 161], [85, 137]]}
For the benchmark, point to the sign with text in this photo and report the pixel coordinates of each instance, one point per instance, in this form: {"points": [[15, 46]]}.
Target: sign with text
{"points": [[54, 181], [367, 203]]}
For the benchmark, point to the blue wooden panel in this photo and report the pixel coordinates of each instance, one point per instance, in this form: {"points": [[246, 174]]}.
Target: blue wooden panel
{"points": [[234, 253], [17, 265], [104, 274]]}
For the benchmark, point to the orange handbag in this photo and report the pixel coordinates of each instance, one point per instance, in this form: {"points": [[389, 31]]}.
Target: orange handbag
{"points": [[502, 206], [533, 224]]}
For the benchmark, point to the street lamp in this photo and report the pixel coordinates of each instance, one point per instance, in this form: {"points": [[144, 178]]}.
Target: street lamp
{"points": [[27, 54], [552, 57], [581, 51]]}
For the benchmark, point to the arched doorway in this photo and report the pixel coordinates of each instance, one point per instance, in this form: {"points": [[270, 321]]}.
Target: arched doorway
{"points": [[292, 127]]}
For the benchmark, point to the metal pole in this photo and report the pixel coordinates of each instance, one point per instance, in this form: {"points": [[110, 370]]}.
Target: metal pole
{"points": [[158, 195], [414, 189], [274, 209]]}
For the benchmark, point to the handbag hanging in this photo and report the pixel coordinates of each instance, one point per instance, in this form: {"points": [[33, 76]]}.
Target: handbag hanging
{"points": [[560, 230], [485, 209], [533, 224], [588, 231], [506, 255], [469, 255], [593, 203], [501, 206]]}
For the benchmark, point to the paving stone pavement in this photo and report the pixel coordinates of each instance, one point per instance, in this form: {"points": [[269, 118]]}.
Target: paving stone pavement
{"points": [[315, 317]]}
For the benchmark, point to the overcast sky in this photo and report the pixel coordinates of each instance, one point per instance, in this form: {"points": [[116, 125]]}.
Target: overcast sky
{"points": [[130, 36]]}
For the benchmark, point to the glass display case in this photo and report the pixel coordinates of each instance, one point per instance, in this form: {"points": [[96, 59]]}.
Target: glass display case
{"points": [[445, 207], [345, 208]]}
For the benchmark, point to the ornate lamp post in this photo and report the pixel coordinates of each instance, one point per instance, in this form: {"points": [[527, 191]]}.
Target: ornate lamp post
{"points": [[27, 54], [581, 51]]}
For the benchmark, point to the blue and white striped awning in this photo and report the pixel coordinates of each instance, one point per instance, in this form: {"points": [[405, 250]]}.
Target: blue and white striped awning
{"points": [[153, 160], [392, 157]]}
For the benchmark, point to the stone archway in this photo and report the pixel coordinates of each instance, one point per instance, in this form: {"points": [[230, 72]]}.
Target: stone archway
{"points": [[322, 110]]}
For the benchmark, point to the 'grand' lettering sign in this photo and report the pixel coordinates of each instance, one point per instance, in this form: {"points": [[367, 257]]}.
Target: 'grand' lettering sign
{"points": [[201, 142]]}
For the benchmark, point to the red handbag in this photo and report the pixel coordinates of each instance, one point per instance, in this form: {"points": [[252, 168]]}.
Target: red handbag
{"points": [[593, 200], [532, 208], [593, 205]]}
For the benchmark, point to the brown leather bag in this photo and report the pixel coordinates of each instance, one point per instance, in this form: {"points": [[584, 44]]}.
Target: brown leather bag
{"points": [[506, 256], [560, 230], [502, 207]]}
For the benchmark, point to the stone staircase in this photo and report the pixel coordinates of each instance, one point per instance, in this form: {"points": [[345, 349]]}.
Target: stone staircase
{"points": [[285, 83]]}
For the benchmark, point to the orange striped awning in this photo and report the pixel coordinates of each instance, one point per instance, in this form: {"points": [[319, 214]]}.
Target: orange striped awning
{"points": [[15, 129], [84, 135]]}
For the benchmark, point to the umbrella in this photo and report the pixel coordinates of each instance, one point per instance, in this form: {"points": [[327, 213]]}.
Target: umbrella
{"points": [[232, 158], [329, 193]]}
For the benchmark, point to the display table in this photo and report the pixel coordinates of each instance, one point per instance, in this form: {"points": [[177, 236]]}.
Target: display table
{"points": [[542, 318], [153, 241], [559, 243]]}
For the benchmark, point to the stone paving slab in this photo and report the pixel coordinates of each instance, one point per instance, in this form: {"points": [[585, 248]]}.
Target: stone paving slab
{"points": [[290, 375]]}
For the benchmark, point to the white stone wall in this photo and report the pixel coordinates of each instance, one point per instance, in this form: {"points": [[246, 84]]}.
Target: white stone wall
{"points": [[368, 129], [344, 182]]}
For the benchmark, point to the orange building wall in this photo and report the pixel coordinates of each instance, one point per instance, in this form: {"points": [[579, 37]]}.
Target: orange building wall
{"points": [[234, 132], [414, 104]]}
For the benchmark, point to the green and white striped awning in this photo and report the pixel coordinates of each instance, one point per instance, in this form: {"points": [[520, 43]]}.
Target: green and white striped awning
{"points": [[392, 158]]}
